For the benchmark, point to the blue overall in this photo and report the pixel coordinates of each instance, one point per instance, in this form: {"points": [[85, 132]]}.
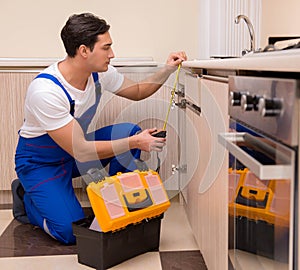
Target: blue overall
{"points": [[46, 171]]}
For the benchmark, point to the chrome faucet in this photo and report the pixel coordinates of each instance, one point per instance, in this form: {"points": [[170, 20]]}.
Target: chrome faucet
{"points": [[251, 32]]}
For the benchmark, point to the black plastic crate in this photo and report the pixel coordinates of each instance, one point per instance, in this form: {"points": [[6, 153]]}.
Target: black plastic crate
{"points": [[104, 250], [259, 237]]}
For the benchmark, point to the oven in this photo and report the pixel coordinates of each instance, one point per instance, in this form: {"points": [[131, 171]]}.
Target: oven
{"points": [[263, 174]]}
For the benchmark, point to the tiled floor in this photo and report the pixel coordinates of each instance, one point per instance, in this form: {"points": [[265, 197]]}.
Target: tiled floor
{"points": [[25, 247]]}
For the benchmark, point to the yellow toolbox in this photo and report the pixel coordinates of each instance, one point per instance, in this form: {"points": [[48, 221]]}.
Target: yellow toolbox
{"points": [[127, 198], [255, 199]]}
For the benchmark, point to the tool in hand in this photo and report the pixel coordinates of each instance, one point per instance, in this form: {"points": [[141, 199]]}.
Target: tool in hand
{"points": [[163, 133]]}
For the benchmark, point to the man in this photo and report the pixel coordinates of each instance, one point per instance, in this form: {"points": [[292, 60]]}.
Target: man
{"points": [[54, 143]]}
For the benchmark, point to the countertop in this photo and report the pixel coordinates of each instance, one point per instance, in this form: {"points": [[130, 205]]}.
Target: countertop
{"points": [[282, 61]]}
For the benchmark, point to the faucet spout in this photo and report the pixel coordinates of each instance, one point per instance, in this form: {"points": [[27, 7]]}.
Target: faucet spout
{"points": [[250, 28]]}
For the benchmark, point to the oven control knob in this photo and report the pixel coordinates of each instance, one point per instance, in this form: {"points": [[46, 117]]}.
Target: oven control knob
{"points": [[247, 102], [270, 107], [235, 98]]}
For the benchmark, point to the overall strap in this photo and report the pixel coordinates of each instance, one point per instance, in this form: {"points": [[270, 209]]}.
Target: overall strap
{"points": [[56, 81], [72, 102], [97, 83], [85, 119]]}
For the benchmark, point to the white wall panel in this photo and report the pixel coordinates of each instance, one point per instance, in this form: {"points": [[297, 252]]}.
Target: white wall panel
{"points": [[222, 37]]}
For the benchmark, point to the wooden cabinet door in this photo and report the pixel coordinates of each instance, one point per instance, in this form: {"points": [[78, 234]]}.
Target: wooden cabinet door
{"points": [[13, 87], [205, 194]]}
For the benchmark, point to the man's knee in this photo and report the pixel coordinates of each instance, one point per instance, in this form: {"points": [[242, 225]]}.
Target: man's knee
{"points": [[63, 232]]}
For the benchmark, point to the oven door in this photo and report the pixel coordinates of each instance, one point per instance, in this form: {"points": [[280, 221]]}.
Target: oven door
{"points": [[261, 184]]}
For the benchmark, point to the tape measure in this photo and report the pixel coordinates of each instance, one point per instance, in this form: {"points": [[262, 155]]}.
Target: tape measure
{"points": [[163, 133], [172, 97]]}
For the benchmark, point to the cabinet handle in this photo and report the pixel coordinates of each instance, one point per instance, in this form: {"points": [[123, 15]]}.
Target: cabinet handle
{"points": [[264, 172], [180, 91], [215, 78], [184, 103]]}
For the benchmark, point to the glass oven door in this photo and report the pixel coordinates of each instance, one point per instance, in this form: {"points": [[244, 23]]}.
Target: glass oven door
{"points": [[260, 205]]}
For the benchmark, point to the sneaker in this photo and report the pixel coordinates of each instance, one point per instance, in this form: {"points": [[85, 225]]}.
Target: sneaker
{"points": [[19, 212]]}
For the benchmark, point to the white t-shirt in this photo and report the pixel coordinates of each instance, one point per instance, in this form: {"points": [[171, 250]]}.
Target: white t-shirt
{"points": [[47, 106]]}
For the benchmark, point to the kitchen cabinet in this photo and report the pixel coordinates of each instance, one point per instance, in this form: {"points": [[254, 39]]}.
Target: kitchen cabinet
{"points": [[204, 181], [13, 86], [208, 206]]}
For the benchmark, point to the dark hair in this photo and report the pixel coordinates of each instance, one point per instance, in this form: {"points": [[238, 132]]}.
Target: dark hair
{"points": [[82, 29]]}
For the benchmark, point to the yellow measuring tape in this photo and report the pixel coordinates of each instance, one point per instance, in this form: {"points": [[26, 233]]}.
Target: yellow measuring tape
{"points": [[172, 96]]}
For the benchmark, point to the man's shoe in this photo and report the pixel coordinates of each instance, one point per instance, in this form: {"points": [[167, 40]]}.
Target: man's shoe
{"points": [[19, 212]]}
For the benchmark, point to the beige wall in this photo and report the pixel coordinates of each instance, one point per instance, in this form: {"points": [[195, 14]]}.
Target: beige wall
{"points": [[138, 27], [279, 18]]}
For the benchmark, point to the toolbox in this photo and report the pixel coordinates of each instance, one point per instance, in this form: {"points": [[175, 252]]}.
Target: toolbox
{"points": [[259, 215], [128, 209], [103, 250], [127, 198], [257, 200]]}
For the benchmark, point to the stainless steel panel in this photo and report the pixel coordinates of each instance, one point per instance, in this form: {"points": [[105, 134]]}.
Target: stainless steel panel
{"points": [[283, 127]]}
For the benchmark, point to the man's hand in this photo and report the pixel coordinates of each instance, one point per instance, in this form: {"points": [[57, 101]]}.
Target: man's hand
{"points": [[176, 58], [148, 143]]}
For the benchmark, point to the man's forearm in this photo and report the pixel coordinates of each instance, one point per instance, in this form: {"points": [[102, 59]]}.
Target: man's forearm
{"points": [[151, 84], [145, 88]]}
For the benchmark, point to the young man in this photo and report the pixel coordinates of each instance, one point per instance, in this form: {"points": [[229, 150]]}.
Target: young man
{"points": [[54, 145]]}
